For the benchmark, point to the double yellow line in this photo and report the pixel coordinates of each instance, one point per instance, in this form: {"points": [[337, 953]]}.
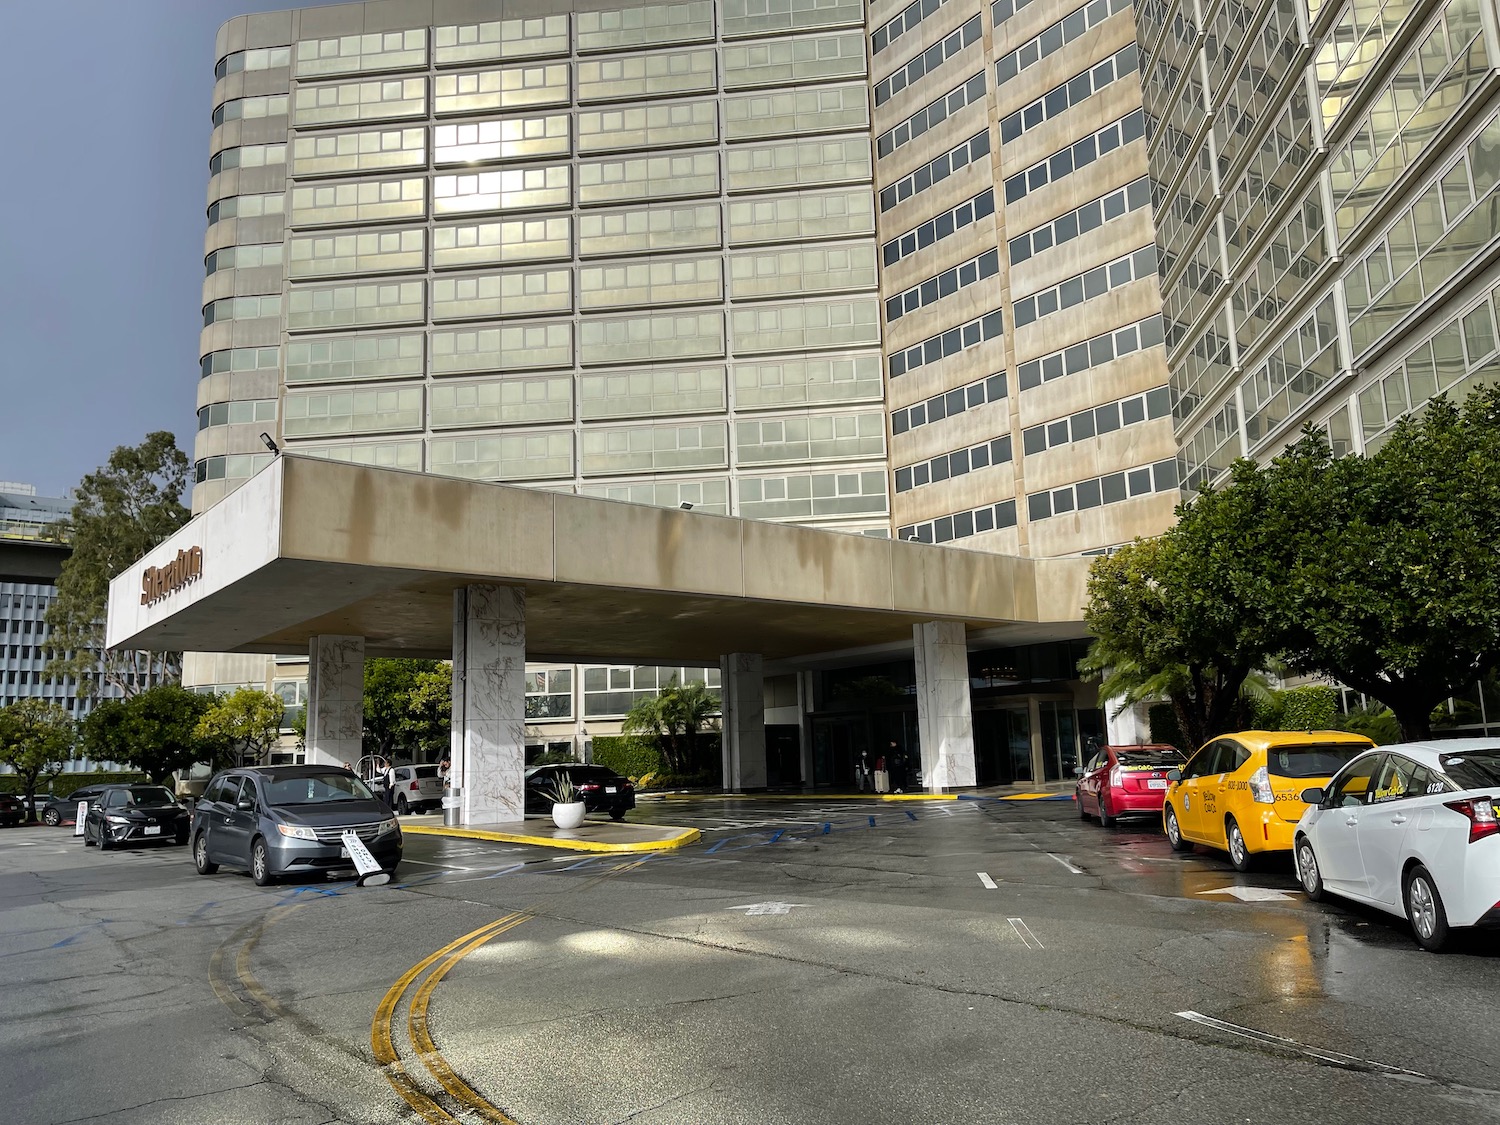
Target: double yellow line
{"points": [[382, 1044], [382, 1040]]}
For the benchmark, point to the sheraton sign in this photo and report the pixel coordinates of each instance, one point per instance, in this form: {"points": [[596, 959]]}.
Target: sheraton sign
{"points": [[159, 581]]}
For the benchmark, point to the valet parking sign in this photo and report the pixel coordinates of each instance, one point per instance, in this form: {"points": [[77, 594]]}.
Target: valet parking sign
{"points": [[370, 872]]}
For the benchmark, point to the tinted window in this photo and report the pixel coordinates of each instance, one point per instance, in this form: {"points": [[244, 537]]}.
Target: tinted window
{"points": [[1199, 764], [1165, 759], [584, 774], [114, 800], [316, 789], [1354, 787], [1313, 760], [1235, 756], [1477, 769], [81, 794], [148, 795], [426, 771], [223, 788]]}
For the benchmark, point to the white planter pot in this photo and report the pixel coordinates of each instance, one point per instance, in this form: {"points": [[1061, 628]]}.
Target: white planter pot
{"points": [[568, 816]]}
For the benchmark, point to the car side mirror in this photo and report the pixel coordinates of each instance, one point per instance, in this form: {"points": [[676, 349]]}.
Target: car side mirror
{"points": [[1078, 771], [1313, 796], [245, 804], [1174, 775]]}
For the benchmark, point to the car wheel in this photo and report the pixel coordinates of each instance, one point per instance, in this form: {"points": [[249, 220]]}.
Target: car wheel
{"points": [[1239, 854], [402, 808], [103, 839], [200, 855], [1307, 869], [616, 814], [260, 864], [1083, 813], [1173, 830], [1424, 909], [51, 818], [1105, 819], [86, 841]]}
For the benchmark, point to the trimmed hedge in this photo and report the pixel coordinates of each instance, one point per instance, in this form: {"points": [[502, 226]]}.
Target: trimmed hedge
{"points": [[1162, 720], [65, 783], [628, 755], [1310, 707]]}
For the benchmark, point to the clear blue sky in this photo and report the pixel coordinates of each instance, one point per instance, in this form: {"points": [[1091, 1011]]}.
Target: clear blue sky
{"points": [[101, 226]]}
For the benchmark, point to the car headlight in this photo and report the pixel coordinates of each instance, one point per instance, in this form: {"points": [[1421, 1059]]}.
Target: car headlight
{"points": [[385, 826], [118, 819], [297, 832]]}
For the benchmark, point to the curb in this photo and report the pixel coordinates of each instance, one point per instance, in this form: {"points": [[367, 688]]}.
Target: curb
{"points": [[683, 837]]}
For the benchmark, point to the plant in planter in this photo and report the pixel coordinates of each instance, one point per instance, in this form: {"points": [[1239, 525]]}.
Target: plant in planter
{"points": [[567, 804]]}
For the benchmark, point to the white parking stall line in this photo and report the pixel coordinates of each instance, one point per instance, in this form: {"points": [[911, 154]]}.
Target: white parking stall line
{"points": [[1023, 931], [1064, 861], [444, 866], [989, 884], [1335, 1058]]}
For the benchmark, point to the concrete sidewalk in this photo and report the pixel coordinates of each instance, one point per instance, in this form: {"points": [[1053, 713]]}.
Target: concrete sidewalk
{"points": [[1026, 791], [590, 836]]}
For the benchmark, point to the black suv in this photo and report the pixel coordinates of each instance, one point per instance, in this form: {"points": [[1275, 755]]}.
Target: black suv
{"points": [[601, 788]]}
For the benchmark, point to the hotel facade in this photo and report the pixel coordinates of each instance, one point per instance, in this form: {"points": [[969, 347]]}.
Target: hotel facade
{"points": [[895, 271]]}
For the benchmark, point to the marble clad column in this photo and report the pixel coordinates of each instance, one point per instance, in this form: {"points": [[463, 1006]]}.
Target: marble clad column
{"points": [[489, 702], [335, 700], [944, 717], [744, 710]]}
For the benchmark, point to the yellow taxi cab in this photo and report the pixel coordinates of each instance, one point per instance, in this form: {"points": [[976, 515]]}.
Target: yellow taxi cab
{"points": [[1242, 792]]}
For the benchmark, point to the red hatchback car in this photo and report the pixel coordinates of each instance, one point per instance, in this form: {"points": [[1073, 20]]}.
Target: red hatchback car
{"points": [[1125, 781]]}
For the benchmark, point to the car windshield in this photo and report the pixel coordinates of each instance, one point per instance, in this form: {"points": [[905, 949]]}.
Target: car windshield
{"points": [[149, 795], [1316, 760], [1150, 758], [316, 789], [1478, 769], [584, 774]]}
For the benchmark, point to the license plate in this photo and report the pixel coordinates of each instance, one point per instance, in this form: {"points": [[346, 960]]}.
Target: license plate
{"points": [[1156, 783], [153, 830], [611, 789]]}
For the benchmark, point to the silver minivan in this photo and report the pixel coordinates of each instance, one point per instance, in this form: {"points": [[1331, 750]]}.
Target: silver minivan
{"points": [[290, 820]]}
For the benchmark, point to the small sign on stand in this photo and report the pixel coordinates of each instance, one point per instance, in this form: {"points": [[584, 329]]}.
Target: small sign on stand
{"points": [[83, 811], [370, 872]]}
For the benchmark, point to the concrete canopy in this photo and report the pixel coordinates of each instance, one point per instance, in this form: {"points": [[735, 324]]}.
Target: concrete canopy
{"points": [[311, 547]]}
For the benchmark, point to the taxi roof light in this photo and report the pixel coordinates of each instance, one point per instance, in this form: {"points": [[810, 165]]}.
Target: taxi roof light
{"points": [[1481, 814]]}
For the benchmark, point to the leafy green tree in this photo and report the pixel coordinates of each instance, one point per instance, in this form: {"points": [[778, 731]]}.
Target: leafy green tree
{"points": [[121, 511], [1156, 639], [35, 738], [105, 731], [402, 703], [243, 725], [161, 731], [427, 728], [1394, 589], [674, 716]]}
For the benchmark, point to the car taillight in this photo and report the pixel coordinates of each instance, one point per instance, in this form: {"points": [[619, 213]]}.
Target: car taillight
{"points": [[415, 786], [1114, 777], [1481, 814], [591, 787], [1260, 787]]}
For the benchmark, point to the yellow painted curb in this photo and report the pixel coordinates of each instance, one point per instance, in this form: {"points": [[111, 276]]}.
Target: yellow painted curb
{"points": [[684, 837]]}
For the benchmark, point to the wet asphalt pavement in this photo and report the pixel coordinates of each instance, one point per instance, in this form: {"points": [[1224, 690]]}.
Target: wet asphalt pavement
{"points": [[808, 961]]}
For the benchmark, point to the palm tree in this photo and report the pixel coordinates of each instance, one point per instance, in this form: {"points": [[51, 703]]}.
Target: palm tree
{"points": [[674, 716]]}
